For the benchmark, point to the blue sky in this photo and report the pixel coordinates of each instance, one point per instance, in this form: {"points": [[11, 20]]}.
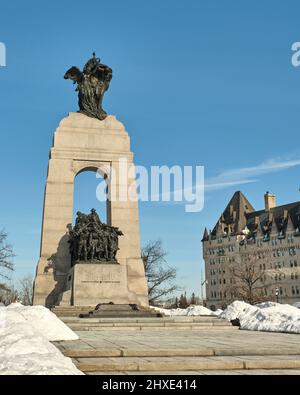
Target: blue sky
{"points": [[196, 83]]}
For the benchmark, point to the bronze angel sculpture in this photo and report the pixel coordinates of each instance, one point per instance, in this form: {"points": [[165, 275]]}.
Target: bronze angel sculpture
{"points": [[92, 83]]}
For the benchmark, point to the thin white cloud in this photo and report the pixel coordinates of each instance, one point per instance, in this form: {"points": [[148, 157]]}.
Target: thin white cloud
{"points": [[244, 175], [221, 185], [233, 177]]}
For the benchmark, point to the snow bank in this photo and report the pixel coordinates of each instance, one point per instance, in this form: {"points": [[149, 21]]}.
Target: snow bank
{"points": [[24, 342], [268, 316], [189, 311], [44, 322]]}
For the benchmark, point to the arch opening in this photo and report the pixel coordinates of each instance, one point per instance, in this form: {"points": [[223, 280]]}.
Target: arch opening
{"points": [[90, 191]]}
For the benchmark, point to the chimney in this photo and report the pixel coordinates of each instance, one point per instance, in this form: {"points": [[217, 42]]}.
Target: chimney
{"points": [[270, 201]]}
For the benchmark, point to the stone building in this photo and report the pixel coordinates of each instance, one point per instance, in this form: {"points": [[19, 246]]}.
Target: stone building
{"points": [[268, 239]]}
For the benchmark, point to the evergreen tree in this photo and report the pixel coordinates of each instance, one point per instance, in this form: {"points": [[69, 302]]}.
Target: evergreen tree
{"points": [[193, 299]]}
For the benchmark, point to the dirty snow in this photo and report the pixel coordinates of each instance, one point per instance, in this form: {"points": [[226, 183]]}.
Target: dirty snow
{"points": [[25, 348], [268, 316], [189, 311]]}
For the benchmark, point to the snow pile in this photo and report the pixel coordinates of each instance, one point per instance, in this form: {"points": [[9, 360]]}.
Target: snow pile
{"points": [[24, 345], [189, 311], [44, 322], [268, 316], [218, 312], [236, 310]]}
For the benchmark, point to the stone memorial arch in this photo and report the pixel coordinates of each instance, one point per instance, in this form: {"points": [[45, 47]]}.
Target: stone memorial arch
{"points": [[83, 143]]}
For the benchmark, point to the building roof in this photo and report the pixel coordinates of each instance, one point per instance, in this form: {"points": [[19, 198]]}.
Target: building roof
{"points": [[233, 217], [205, 235], [240, 214]]}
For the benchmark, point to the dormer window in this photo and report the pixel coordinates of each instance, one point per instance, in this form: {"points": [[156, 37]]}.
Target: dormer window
{"points": [[297, 231], [281, 235]]}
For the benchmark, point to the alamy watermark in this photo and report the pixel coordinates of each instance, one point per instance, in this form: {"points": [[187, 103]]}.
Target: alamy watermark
{"points": [[125, 182], [2, 55], [296, 55]]}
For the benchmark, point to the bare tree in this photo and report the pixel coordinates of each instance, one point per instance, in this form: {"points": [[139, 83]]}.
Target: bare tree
{"points": [[160, 276], [25, 290], [6, 264], [8, 295], [249, 280]]}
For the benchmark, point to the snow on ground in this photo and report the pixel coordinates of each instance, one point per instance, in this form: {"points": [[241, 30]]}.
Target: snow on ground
{"points": [[24, 342], [44, 321], [189, 311], [268, 316]]}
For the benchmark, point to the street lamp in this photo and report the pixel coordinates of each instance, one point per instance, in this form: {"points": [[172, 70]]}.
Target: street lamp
{"points": [[202, 283], [277, 293]]}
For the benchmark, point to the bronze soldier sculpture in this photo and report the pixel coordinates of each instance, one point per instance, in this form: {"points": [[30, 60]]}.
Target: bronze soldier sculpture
{"points": [[93, 241], [92, 83]]}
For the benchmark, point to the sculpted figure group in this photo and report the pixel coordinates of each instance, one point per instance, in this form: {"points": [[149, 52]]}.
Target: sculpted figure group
{"points": [[92, 83], [92, 240]]}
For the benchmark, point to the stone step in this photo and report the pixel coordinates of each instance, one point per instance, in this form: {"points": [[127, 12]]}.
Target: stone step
{"points": [[82, 349], [169, 364], [121, 314], [73, 308], [183, 327], [106, 311], [170, 352], [152, 323], [183, 319], [243, 372], [71, 311]]}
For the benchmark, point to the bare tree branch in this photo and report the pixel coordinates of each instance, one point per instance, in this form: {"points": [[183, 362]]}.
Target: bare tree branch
{"points": [[25, 290], [160, 276], [6, 255], [249, 279]]}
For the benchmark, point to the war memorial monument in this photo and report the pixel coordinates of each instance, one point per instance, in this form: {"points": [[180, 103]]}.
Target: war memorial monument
{"points": [[91, 262]]}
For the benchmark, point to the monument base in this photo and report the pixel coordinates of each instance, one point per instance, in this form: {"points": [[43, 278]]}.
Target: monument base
{"points": [[93, 284], [111, 310]]}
